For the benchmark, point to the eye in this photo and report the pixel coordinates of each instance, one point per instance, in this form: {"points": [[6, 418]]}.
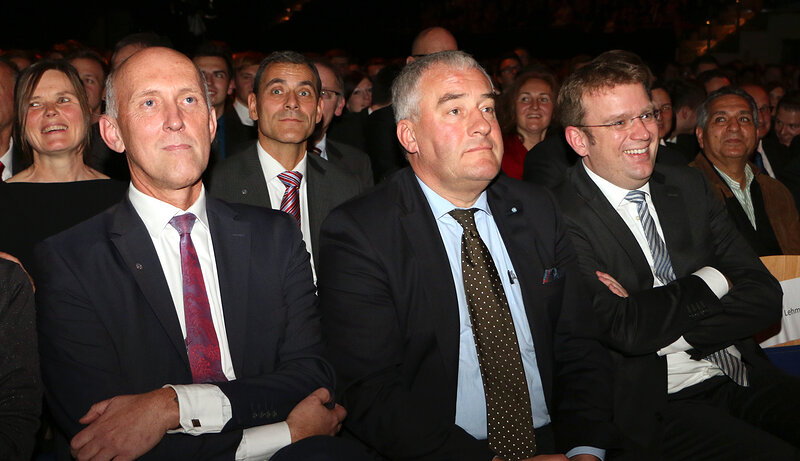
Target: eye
{"points": [[454, 111], [276, 91], [34, 104], [617, 123], [488, 109], [720, 120], [647, 116], [745, 119], [149, 103], [190, 99], [304, 93], [63, 99], [544, 99], [219, 74], [524, 99]]}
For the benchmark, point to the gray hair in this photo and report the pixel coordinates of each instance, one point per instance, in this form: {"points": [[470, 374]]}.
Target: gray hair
{"points": [[111, 94], [405, 89], [702, 111]]}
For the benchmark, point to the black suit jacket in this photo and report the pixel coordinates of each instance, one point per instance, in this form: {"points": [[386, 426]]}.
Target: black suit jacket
{"points": [[381, 143], [389, 307], [240, 179], [108, 325], [698, 233], [351, 159]]}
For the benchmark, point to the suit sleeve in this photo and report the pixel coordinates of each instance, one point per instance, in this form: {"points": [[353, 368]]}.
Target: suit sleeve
{"points": [[366, 344]]}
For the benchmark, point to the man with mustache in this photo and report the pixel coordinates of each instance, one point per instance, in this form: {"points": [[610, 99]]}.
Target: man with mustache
{"points": [[761, 207], [275, 171]]}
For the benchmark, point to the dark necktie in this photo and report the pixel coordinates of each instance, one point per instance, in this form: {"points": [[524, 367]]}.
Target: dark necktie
{"points": [[508, 404], [202, 346], [732, 366], [290, 202], [759, 160]]}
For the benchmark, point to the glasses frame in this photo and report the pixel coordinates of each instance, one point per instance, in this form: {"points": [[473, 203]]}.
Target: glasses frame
{"points": [[655, 113]]}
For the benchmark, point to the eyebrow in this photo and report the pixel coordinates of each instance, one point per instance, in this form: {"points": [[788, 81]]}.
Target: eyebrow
{"points": [[151, 92], [283, 81], [451, 96]]}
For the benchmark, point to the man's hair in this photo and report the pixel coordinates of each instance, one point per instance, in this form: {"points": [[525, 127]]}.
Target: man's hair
{"points": [[711, 74], [406, 92], [86, 53], [322, 62], [111, 92], [705, 59], [244, 59], [286, 57], [702, 111], [23, 92], [684, 93], [11, 65], [382, 84], [216, 49], [604, 72], [789, 102]]}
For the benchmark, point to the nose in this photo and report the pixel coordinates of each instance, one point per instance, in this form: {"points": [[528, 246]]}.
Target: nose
{"points": [[49, 109], [173, 119], [480, 123], [639, 130], [291, 100]]}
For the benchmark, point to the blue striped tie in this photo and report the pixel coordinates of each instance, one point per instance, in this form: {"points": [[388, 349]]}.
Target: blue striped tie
{"points": [[290, 202], [662, 266]]}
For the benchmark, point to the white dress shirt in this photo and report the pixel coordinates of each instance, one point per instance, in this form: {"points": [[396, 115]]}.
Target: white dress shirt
{"points": [[202, 403], [7, 159], [682, 370], [271, 169], [322, 145], [243, 112], [765, 160]]}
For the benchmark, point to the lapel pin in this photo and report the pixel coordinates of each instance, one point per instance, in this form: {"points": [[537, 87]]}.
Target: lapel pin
{"points": [[139, 266], [244, 191], [513, 209]]}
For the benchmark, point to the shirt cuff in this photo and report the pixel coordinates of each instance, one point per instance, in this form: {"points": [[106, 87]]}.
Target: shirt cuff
{"points": [[714, 279], [261, 442], [599, 452], [204, 408], [680, 345]]}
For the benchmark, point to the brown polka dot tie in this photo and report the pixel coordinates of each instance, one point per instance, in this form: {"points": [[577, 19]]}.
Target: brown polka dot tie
{"points": [[508, 404]]}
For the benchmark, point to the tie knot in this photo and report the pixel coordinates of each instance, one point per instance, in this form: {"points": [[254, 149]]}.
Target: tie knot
{"points": [[290, 178], [466, 218], [183, 223], [635, 196]]}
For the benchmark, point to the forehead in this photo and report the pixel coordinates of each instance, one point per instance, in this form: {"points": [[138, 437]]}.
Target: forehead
{"points": [[291, 73], [251, 69], [609, 101], [326, 76], [211, 63], [441, 80], [660, 95], [53, 80], [86, 65], [161, 72], [761, 97], [535, 85], [789, 116], [729, 103]]}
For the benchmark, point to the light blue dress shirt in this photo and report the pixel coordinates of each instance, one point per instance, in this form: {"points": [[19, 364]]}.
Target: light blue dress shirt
{"points": [[470, 396]]}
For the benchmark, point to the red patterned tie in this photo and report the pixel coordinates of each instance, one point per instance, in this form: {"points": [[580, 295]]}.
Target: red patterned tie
{"points": [[2, 167], [290, 202], [202, 346]]}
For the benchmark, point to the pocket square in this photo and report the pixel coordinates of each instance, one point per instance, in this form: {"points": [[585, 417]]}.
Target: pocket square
{"points": [[550, 275]]}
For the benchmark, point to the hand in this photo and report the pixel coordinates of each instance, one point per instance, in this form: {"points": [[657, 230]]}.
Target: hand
{"points": [[126, 426], [612, 284], [312, 417]]}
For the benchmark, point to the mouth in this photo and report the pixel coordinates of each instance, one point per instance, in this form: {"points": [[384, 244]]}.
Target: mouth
{"points": [[533, 116], [52, 128], [641, 151], [177, 147], [480, 148]]}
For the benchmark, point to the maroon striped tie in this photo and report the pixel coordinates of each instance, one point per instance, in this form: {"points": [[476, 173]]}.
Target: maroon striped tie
{"points": [[291, 198]]}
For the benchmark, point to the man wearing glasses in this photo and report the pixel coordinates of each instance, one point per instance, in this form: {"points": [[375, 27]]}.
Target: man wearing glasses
{"points": [[275, 171], [677, 291]]}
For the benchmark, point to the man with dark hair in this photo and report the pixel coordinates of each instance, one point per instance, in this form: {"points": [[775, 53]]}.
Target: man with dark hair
{"points": [[712, 80], [215, 61], [245, 66], [380, 139], [174, 325], [350, 158], [450, 294], [11, 159], [92, 71], [686, 96], [678, 292], [787, 118], [761, 207], [275, 171]]}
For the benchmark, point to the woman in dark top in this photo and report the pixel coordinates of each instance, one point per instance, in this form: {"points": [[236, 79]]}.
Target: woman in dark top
{"points": [[58, 190]]}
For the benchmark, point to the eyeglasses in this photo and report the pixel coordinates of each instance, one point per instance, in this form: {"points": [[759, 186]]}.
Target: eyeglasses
{"points": [[648, 118], [329, 94]]}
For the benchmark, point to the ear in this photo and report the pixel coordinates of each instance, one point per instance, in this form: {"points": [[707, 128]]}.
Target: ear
{"points": [[339, 106], [109, 131], [407, 136], [320, 104], [252, 106], [698, 131], [578, 140], [683, 113], [212, 123], [231, 86]]}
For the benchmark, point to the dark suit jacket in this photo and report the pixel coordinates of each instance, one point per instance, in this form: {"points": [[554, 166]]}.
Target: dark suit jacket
{"points": [[389, 305], [108, 325], [698, 233], [351, 159], [547, 162], [385, 150], [237, 136], [240, 179], [18, 160]]}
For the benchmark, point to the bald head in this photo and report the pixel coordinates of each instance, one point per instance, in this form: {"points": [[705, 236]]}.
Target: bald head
{"points": [[761, 98], [432, 40]]}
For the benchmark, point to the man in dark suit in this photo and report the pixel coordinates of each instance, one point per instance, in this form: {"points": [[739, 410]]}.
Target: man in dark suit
{"points": [[11, 159], [677, 290], [173, 311], [286, 104], [350, 158], [403, 306]]}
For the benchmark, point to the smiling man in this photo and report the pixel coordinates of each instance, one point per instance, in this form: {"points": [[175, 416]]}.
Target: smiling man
{"points": [[678, 292], [275, 172], [174, 325], [450, 295]]}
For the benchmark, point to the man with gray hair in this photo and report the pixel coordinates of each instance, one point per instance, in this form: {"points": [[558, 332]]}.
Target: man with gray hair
{"points": [[451, 298], [678, 293]]}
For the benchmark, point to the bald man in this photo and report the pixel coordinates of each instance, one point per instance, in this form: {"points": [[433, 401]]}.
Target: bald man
{"points": [[430, 41]]}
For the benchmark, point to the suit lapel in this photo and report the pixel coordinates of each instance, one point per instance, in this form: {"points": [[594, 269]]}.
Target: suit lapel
{"points": [[319, 192], [430, 255], [253, 180], [671, 212], [129, 235], [231, 239]]}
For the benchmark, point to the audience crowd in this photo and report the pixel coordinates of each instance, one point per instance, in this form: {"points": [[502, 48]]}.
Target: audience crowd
{"points": [[243, 254]]}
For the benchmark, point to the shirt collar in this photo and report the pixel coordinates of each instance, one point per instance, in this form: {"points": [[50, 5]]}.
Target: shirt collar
{"points": [[156, 214], [441, 206], [613, 193], [272, 168], [322, 145], [748, 177]]}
